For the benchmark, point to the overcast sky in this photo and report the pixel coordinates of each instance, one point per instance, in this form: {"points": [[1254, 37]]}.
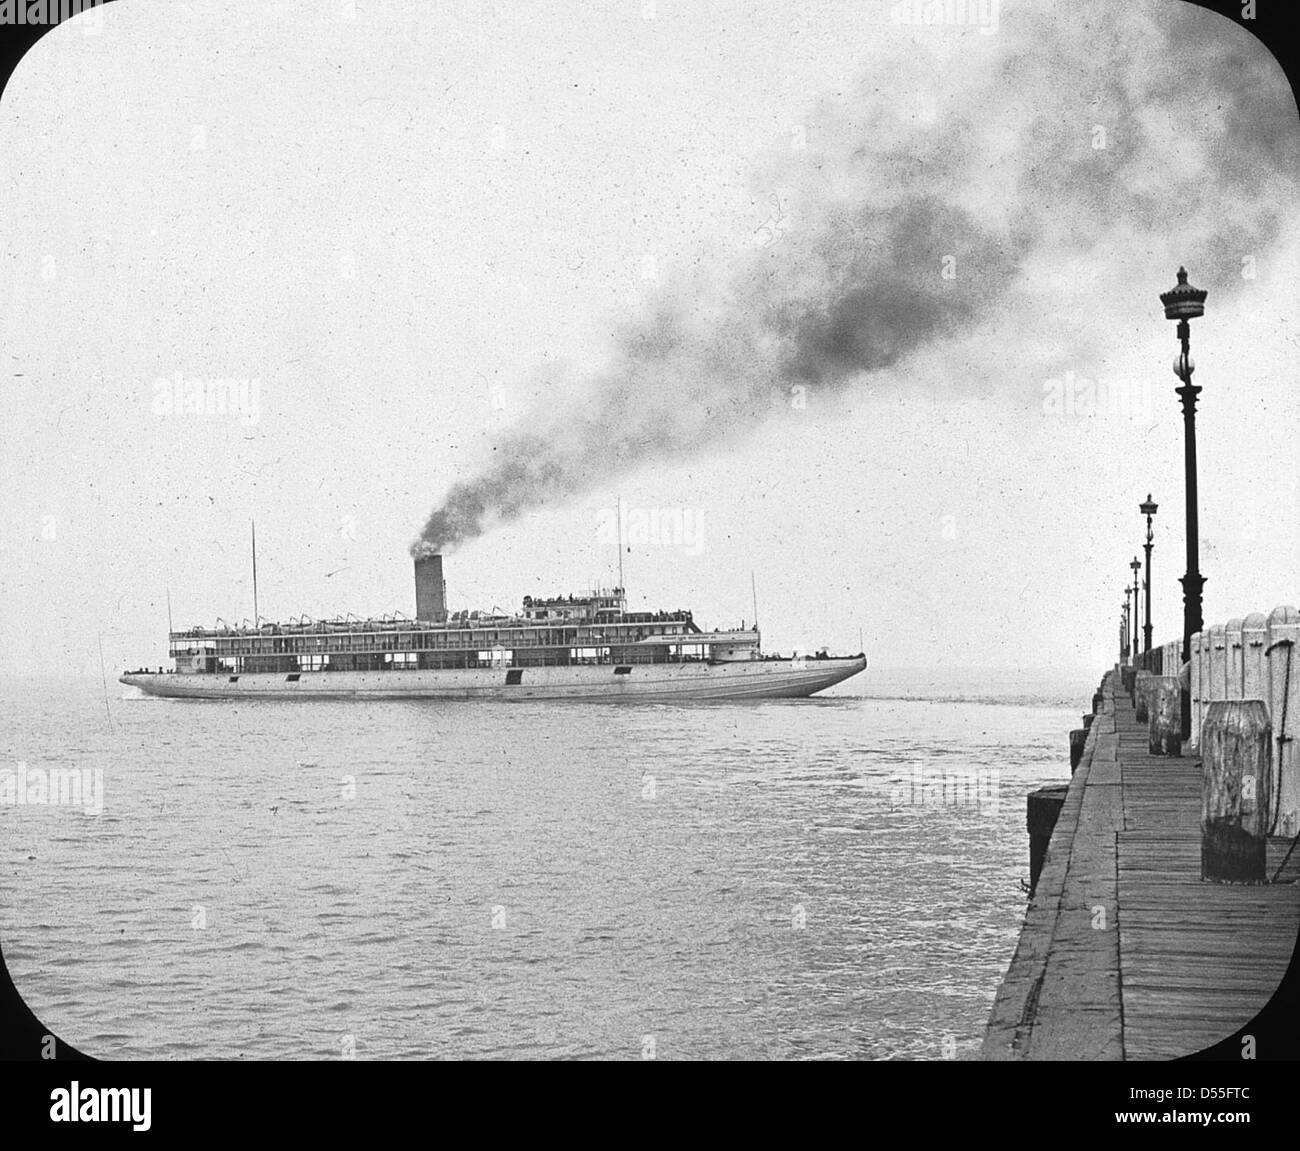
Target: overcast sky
{"points": [[414, 231]]}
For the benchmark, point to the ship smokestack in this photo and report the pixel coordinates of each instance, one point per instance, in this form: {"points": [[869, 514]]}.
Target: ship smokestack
{"points": [[430, 590]]}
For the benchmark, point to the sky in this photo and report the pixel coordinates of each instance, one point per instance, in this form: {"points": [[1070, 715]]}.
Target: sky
{"points": [[862, 310]]}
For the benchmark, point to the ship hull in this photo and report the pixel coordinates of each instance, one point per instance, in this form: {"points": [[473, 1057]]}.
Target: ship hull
{"points": [[646, 683]]}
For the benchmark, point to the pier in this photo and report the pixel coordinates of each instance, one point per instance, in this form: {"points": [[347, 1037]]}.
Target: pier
{"points": [[1164, 895], [1126, 953]]}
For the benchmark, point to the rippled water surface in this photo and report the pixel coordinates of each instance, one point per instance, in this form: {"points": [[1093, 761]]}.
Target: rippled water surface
{"points": [[828, 878]]}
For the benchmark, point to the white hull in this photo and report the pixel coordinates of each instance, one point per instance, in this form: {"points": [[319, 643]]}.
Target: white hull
{"points": [[647, 683]]}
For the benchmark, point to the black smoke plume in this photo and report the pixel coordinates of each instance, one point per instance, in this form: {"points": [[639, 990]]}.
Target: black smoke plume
{"points": [[935, 201]]}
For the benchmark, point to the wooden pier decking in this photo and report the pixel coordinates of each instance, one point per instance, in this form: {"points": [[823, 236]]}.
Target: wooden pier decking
{"points": [[1125, 952]]}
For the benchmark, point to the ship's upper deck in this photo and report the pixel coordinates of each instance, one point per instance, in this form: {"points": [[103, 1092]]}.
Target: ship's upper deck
{"points": [[561, 629], [606, 607]]}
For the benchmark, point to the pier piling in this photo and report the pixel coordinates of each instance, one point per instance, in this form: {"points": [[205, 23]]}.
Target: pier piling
{"points": [[1042, 809], [1141, 702], [1078, 739], [1164, 723], [1236, 791]]}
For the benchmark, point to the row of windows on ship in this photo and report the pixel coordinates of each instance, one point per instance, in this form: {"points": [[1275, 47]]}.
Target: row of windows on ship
{"points": [[388, 641]]}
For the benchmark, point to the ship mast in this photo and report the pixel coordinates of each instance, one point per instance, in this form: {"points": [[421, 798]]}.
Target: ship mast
{"points": [[622, 589], [255, 615]]}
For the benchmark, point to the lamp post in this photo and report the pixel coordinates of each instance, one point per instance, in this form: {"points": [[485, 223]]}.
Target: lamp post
{"points": [[1136, 566], [1148, 509], [1184, 303], [1128, 592]]}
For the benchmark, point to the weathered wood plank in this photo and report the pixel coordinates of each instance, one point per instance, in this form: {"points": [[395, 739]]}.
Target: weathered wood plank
{"points": [[1124, 919]]}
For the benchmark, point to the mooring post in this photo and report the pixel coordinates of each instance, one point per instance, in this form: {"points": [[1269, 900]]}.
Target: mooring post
{"points": [[1078, 737], [1097, 699], [1164, 719], [1236, 788], [1041, 810]]}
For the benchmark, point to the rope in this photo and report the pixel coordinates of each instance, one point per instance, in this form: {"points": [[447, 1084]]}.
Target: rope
{"points": [[1281, 866], [1282, 740]]}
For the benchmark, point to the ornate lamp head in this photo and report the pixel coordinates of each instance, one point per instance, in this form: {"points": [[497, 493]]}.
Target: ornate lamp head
{"points": [[1182, 301]]}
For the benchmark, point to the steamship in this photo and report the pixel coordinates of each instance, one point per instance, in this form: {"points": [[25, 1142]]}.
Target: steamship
{"points": [[580, 647]]}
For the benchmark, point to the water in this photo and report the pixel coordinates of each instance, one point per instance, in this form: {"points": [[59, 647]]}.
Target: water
{"points": [[830, 878]]}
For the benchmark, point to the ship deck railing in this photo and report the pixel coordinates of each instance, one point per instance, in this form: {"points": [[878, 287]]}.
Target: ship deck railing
{"points": [[402, 626]]}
